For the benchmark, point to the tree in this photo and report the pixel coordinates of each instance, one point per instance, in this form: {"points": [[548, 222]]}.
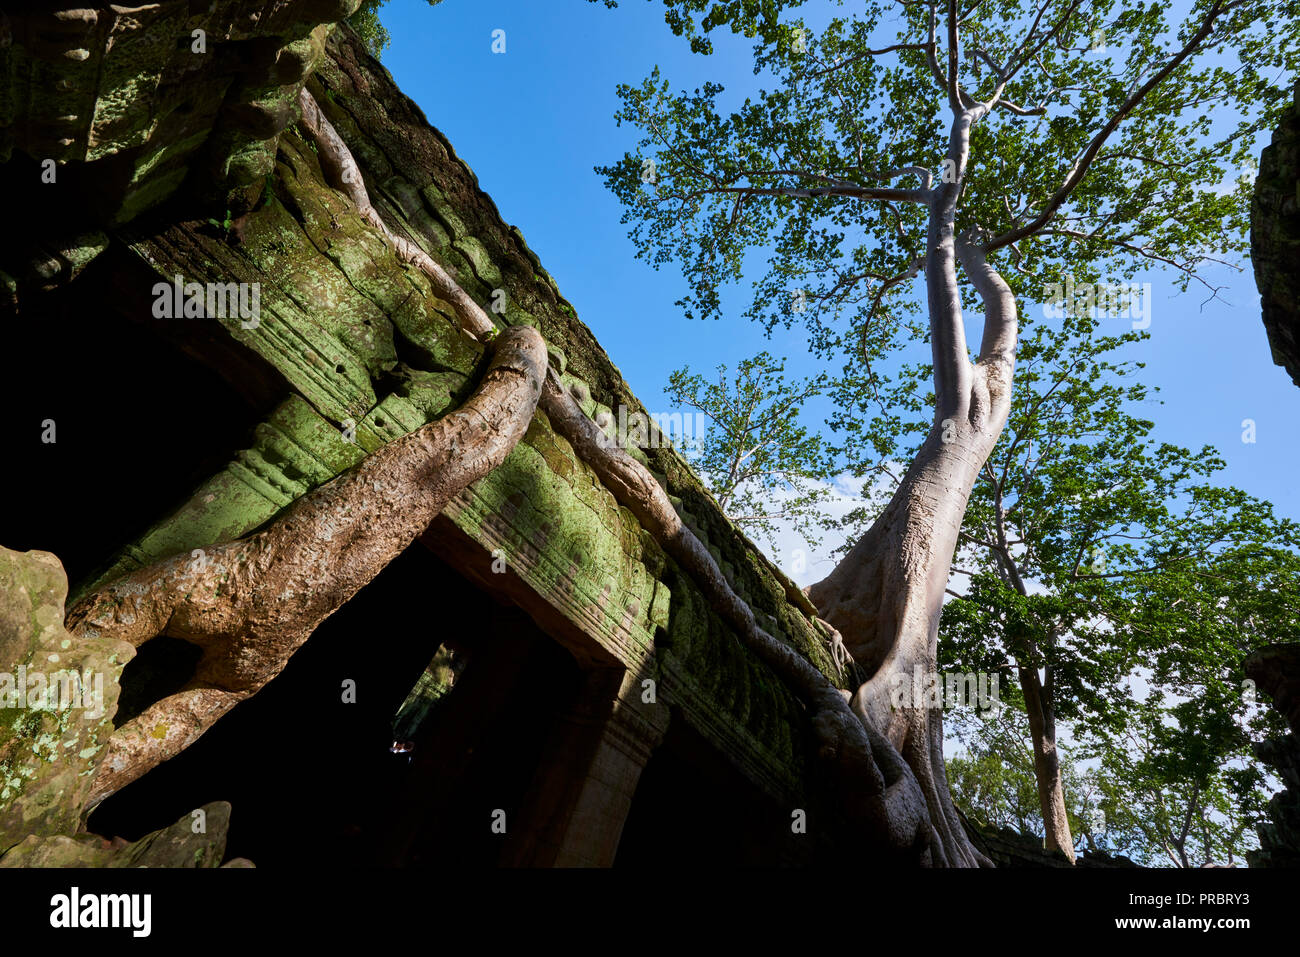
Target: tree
{"points": [[990, 146], [763, 467], [993, 778], [1097, 554], [1179, 794], [1186, 790]]}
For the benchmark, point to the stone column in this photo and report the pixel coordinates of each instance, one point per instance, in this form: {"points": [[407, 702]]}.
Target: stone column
{"points": [[588, 774], [1276, 670]]}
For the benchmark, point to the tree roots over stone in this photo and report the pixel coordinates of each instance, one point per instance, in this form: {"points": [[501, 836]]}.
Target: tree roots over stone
{"points": [[251, 603], [876, 790]]}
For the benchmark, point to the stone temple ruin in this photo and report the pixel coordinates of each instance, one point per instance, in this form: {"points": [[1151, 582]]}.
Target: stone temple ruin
{"points": [[1275, 254], [534, 682]]}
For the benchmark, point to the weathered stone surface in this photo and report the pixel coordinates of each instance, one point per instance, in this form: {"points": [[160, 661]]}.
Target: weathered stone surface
{"points": [[180, 845], [143, 88], [1008, 848], [340, 315], [1275, 240], [47, 755], [368, 353], [1275, 669], [588, 778], [458, 225]]}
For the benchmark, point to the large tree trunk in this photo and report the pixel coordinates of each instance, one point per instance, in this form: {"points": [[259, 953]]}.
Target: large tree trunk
{"points": [[886, 596]]}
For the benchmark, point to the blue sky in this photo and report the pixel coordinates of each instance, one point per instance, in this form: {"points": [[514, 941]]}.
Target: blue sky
{"points": [[532, 123]]}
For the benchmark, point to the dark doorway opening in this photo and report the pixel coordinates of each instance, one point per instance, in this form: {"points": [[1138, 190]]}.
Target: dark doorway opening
{"points": [[313, 781], [137, 420], [693, 807]]}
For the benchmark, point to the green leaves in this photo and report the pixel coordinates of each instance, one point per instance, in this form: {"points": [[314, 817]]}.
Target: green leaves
{"points": [[1145, 586], [1103, 133], [370, 28], [1163, 803], [765, 469], [847, 107]]}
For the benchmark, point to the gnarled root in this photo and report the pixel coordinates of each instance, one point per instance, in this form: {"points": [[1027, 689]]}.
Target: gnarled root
{"points": [[342, 172], [251, 603], [875, 787]]}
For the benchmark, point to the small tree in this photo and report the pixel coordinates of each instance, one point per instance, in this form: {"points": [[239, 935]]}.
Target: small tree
{"points": [[1180, 793], [765, 469], [1097, 554], [1190, 791], [993, 780]]}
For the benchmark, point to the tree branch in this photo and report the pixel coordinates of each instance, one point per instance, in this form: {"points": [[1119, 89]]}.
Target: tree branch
{"points": [[1080, 168]]}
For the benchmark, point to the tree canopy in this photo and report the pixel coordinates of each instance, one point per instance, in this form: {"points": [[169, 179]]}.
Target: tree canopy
{"points": [[766, 469], [1106, 116]]}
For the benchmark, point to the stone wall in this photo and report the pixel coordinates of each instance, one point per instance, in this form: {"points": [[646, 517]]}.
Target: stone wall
{"points": [[137, 96], [1276, 671], [364, 352], [1008, 848], [1275, 240]]}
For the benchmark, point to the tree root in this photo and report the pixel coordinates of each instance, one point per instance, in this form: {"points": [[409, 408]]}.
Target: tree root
{"points": [[844, 663], [344, 175], [887, 799], [875, 786], [251, 603]]}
